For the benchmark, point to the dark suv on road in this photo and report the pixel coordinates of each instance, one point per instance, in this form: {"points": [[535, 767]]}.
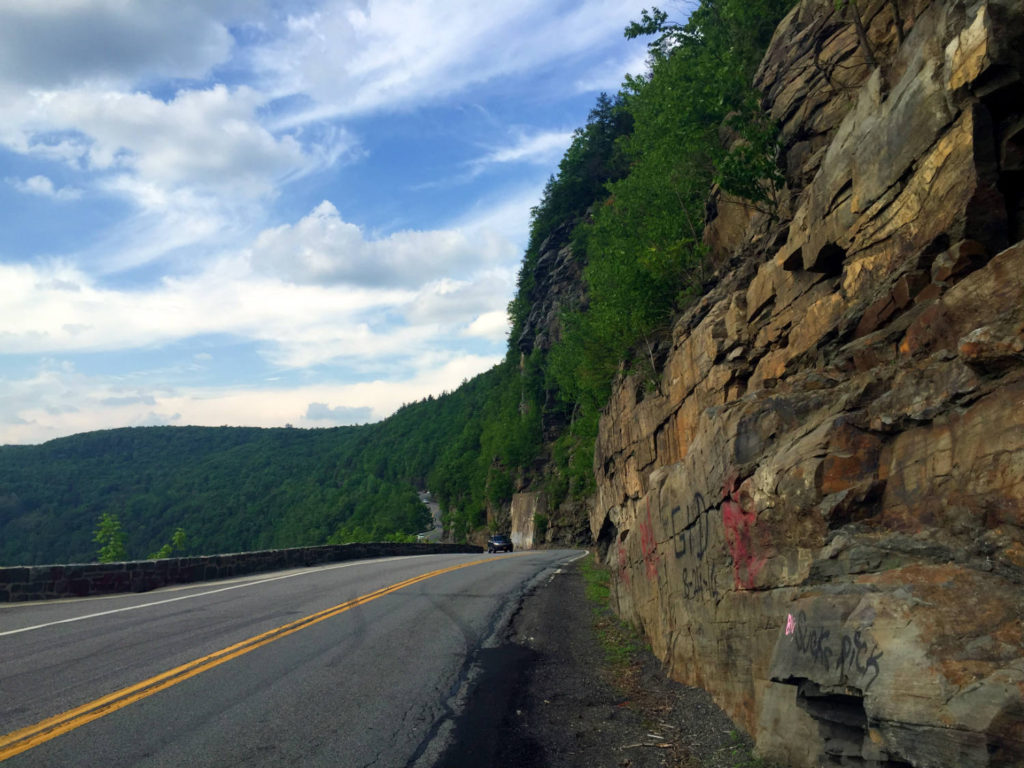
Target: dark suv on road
{"points": [[499, 543]]}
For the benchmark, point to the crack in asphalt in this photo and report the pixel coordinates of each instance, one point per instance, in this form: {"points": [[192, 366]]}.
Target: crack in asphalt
{"points": [[452, 701]]}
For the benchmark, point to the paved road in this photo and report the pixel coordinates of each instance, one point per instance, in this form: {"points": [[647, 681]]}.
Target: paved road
{"points": [[352, 664], [437, 531]]}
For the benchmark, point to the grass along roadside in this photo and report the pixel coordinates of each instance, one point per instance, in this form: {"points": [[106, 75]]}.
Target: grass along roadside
{"points": [[626, 653], [621, 641]]}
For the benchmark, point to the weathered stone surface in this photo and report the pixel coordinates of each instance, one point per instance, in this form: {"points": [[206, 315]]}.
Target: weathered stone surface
{"points": [[558, 287], [994, 295], [819, 516], [728, 220], [525, 508]]}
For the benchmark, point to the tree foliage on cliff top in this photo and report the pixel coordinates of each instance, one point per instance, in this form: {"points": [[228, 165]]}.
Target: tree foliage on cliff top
{"points": [[589, 164], [642, 245]]}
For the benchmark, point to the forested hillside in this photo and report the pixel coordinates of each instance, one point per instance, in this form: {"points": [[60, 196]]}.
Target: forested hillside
{"points": [[229, 489], [626, 207]]}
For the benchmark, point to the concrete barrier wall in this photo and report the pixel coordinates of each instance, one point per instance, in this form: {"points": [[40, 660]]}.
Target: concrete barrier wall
{"points": [[44, 582]]}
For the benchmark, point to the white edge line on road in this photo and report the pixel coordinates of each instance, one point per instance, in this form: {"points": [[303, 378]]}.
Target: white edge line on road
{"points": [[570, 561], [201, 594]]}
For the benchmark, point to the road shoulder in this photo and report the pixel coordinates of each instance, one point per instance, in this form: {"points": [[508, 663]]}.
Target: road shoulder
{"points": [[549, 694]]}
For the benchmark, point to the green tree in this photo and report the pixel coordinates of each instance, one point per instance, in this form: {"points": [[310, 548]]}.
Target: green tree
{"points": [[642, 246], [176, 544], [110, 537]]}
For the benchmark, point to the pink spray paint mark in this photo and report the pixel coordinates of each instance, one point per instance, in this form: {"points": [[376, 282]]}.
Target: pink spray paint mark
{"points": [[648, 545], [790, 624], [623, 563], [739, 526]]}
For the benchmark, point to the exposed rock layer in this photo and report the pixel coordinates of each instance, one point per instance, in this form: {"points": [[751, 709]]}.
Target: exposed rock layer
{"points": [[819, 517], [557, 287]]}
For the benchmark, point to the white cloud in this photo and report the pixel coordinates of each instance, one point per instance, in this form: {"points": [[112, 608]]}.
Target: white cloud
{"points": [[201, 164], [460, 303], [43, 187], [322, 248], [612, 73], [209, 139], [490, 325], [507, 217], [375, 299], [184, 123], [539, 148], [197, 169], [129, 400], [58, 400], [42, 316], [355, 58]]}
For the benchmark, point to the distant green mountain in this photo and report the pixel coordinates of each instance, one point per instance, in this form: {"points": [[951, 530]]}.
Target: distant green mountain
{"points": [[230, 489], [239, 488]]}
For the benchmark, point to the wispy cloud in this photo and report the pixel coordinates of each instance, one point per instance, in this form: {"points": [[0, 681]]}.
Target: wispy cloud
{"points": [[545, 148], [310, 293], [43, 187], [610, 74], [353, 59], [59, 400]]}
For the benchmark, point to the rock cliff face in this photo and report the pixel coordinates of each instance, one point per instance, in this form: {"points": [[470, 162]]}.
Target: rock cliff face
{"points": [[819, 515], [558, 287]]}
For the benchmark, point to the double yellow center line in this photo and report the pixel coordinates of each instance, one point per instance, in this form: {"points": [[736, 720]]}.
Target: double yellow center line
{"points": [[24, 739]]}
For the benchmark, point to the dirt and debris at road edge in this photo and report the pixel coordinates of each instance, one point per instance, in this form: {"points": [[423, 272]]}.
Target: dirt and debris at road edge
{"points": [[550, 694]]}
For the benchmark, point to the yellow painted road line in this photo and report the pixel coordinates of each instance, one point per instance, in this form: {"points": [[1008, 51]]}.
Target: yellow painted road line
{"points": [[24, 739]]}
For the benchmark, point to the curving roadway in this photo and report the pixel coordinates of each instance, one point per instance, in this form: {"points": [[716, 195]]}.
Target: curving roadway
{"points": [[352, 664]]}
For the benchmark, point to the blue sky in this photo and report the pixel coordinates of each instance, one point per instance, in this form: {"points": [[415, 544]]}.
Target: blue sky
{"points": [[259, 213]]}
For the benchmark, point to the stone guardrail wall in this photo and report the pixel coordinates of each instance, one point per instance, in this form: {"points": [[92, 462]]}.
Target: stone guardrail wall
{"points": [[44, 582]]}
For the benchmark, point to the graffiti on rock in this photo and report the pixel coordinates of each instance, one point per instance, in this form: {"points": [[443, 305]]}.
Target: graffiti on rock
{"points": [[697, 542], [739, 533], [692, 540], [649, 545], [851, 654], [693, 537], [700, 580], [623, 560], [857, 656]]}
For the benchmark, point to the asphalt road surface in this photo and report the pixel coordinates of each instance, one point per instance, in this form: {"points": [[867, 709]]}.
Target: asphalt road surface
{"points": [[436, 532], [352, 664]]}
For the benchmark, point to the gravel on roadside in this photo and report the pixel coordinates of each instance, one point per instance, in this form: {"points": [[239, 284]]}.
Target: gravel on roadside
{"points": [[550, 695]]}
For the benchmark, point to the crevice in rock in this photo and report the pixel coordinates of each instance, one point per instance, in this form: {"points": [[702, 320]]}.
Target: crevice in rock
{"points": [[829, 260], [1011, 175], [843, 725], [794, 261], [607, 535], [844, 193]]}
